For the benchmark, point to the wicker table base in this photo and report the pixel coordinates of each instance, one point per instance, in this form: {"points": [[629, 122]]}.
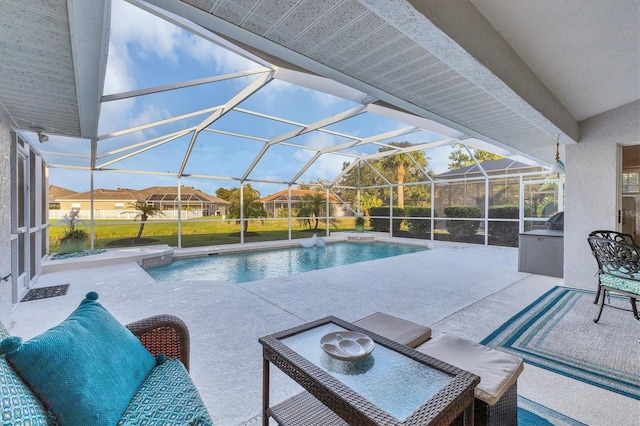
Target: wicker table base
{"points": [[438, 393], [304, 410]]}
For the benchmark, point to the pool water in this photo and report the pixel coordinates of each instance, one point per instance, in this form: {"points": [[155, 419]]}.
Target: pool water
{"points": [[259, 265]]}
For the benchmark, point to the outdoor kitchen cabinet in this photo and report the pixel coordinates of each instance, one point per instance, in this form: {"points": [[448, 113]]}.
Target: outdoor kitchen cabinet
{"points": [[541, 252]]}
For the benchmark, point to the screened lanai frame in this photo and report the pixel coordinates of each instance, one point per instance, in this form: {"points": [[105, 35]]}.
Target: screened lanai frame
{"points": [[553, 197], [124, 150]]}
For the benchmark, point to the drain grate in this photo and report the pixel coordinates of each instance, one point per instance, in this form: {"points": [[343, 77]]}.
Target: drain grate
{"points": [[45, 292]]}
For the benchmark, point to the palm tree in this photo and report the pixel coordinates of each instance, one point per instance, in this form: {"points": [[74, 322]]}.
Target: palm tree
{"points": [[312, 206], [144, 211], [399, 163], [252, 208]]}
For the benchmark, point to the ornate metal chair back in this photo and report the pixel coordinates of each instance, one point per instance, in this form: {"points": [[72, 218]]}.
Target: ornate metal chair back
{"points": [[615, 257]]}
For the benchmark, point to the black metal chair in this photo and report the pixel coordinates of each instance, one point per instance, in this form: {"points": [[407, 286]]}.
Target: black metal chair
{"points": [[618, 271], [612, 235]]}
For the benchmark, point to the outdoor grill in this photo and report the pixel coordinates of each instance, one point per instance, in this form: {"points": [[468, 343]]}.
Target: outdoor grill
{"points": [[556, 222]]}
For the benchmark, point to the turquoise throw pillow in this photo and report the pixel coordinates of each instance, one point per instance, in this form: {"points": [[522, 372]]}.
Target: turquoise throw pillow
{"points": [[18, 404], [85, 370]]}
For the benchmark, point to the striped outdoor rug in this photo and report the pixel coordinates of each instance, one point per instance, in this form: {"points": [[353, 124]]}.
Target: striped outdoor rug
{"points": [[530, 413], [557, 333]]}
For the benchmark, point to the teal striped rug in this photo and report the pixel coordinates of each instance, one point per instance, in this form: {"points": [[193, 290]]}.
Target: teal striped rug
{"points": [[533, 414], [557, 333], [529, 414]]}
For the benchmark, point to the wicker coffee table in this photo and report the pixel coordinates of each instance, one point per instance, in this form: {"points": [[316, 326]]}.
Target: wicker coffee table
{"points": [[394, 385]]}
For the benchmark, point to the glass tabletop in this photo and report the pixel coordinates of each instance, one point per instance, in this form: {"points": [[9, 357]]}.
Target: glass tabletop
{"points": [[393, 382]]}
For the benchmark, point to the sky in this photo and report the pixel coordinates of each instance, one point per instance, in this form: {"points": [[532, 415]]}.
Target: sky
{"points": [[146, 51]]}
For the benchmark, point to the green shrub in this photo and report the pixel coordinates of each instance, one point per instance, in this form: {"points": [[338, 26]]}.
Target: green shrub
{"points": [[462, 229], [505, 233], [419, 227], [382, 224]]}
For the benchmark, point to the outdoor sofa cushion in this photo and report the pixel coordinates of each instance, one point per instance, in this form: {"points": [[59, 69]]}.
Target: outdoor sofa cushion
{"points": [[498, 370], [399, 330], [86, 369]]}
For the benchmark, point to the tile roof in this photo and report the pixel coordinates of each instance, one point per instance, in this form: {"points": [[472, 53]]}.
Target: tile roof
{"points": [[56, 192], [296, 193], [132, 195], [123, 194]]}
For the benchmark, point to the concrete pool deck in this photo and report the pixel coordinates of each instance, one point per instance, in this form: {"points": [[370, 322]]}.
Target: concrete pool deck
{"points": [[456, 288]]}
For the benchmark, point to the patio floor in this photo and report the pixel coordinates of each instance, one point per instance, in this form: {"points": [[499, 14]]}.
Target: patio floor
{"points": [[456, 288]]}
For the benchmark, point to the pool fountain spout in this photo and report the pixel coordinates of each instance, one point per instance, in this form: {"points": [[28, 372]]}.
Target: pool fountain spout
{"points": [[312, 242]]}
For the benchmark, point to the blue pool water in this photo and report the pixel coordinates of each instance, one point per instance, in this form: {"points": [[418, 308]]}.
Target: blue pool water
{"points": [[253, 266]]}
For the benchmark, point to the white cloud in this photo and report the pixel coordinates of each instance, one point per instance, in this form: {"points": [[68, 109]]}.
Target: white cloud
{"points": [[324, 99], [273, 93], [148, 34], [133, 30], [278, 91], [327, 166], [118, 77], [207, 52], [150, 113]]}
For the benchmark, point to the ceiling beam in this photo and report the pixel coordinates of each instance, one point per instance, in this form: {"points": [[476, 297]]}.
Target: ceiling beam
{"points": [[89, 30], [480, 54]]}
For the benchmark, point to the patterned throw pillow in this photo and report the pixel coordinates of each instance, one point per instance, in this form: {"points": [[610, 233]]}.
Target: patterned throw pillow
{"points": [[167, 397], [19, 404], [86, 369]]}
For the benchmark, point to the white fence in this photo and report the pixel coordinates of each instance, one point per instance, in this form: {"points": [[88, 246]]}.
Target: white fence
{"points": [[127, 214]]}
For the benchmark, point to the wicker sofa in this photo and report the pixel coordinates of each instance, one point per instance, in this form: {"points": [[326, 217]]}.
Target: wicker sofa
{"points": [[166, 394]]}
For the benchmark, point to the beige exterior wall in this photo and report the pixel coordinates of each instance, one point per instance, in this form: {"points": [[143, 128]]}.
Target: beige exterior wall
{"points": [[85, 206], [5, 215], [110, 209], [590, 190]]}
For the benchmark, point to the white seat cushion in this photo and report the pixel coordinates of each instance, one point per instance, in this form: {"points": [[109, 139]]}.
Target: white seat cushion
{"points": [[399, 330], [497, 370]]}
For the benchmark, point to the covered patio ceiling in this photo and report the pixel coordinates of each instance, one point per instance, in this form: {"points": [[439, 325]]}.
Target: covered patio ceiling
{"points": [[488, 73]]}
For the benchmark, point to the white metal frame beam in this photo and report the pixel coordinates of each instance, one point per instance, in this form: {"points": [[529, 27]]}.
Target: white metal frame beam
{"points": [[234, 32], [251, 88]]}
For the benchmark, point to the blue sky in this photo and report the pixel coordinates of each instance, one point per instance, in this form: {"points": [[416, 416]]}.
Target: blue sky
{"points": [[146, 51]]}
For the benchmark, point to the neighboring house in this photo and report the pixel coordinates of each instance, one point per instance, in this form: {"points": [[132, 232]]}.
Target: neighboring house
{"points": [[280, 200], [56, 192], [166, 198], [116, 203]]}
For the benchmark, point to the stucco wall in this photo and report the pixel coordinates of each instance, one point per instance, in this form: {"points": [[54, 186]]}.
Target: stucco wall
{"points": [[590, 190], [5, 216]]}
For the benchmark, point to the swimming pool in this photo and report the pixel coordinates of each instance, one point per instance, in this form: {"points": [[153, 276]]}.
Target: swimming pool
{"points": [[259, 265]]}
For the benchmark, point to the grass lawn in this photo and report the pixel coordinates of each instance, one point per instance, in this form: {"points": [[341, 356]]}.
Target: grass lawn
{"points": [[197, 232], [206, 232]]}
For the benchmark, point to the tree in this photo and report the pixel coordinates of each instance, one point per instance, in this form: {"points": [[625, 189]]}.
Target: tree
{"points": [[362, 175], [314, 184], [367, 201], [399, 163], [312, 207], [224, 193], [460, 157], [144, 211], [394, 170], [252, 208]]}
